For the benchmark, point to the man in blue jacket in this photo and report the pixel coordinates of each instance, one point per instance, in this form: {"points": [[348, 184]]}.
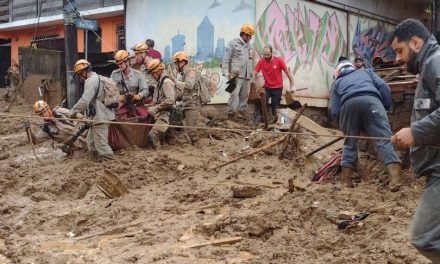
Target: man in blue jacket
{"points": [[359, 99], [421, 52]]}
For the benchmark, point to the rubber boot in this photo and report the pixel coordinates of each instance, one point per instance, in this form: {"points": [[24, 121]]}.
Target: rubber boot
{"points": [[396, 179], [346, 175], [153, 141]]}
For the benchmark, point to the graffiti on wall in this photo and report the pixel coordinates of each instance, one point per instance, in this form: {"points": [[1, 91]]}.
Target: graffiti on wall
{"points": [[370, 39], [302, 37]]}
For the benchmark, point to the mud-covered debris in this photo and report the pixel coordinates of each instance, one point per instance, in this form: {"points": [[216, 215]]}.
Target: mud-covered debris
{"points": [[246, 191]]}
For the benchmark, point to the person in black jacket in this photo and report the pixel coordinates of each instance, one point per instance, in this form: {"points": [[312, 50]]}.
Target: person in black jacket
{"points": [[359, 100], [421, 52]]}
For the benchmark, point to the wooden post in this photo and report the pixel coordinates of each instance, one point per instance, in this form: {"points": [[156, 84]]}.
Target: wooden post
{"points": [[291, 129]]}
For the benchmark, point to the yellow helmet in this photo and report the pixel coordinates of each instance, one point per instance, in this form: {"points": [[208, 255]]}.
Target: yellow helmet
{"points": [[155, 65], [247, 29], [179, 56], [121, 56], [140, 47], [81, 65], [40, 106]]}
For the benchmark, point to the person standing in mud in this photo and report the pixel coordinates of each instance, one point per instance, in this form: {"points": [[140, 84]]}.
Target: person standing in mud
{"points": [[130, 82], [12, 79], [358, 100], [272, 68], [93, 100], [142, 59], [164, 99], [186, 82], [421, 52], [236, 64]]}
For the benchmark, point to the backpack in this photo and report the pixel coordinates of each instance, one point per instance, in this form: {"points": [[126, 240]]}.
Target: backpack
{"points": [[203, 83], [111, 92]]}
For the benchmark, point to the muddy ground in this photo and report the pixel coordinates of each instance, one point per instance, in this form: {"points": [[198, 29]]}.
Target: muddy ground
{"points": [[56, 214]]}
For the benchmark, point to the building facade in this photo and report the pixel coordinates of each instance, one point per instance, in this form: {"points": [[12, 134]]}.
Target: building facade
{"points": [[41, 24]]}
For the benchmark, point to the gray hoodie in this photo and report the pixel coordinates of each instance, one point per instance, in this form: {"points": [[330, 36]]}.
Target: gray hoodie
{"points": [[425, 117]]}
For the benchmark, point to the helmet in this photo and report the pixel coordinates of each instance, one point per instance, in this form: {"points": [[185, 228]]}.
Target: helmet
{"points": [[40, 106], [140, 47], [155, 65], [179, 56], [358, 58], [247, 29], [81, 65], [121, 56]]}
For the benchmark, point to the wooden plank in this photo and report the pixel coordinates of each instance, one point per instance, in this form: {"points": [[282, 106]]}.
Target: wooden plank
{"points": [[392, 75]]}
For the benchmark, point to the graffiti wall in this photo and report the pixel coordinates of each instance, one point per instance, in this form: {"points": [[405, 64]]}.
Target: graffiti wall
{"points": [[309, 37], [200, 27], [370, 38]]}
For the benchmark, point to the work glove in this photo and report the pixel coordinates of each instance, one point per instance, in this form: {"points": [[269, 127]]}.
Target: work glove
{"points": [[152, 111], [80, 116], [122, 98], [136, 97]]}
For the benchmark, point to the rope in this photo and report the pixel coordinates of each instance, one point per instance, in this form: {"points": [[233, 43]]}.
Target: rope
{"points": [[194, 127]]}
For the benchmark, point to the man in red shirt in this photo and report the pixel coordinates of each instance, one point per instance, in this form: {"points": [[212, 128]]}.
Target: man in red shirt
{"points": [[151, 51], [272, 68]]}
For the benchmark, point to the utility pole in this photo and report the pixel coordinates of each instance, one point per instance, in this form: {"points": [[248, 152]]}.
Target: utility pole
{"points": [[70, 51]]}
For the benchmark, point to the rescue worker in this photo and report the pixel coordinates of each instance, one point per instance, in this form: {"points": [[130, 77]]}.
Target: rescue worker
{"points": [[359, 99], [92, 100], [359, 63], [142, 59], [236, 62], [130, 82], [163, 101], [12, 79], [186, 82], [58, 130], [421, 52]]}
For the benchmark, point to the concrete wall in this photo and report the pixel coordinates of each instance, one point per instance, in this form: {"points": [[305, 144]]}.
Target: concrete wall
{"points": [[44, 65], [393, 9]]}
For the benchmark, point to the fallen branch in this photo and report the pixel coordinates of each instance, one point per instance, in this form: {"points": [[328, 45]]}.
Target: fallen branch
{"points": [[267, 146], [219, 242], [291, 129]]}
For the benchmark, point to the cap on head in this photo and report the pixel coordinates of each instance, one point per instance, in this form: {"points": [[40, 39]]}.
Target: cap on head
{"points": [[248, 29], [81, 65], [155, 65], [342, 66], [358, 58]]}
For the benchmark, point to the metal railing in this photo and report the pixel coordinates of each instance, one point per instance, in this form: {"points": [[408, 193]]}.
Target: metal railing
{"points": [[15, 10]]}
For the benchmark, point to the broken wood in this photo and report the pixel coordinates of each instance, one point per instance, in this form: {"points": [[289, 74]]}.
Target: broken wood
{"points": [[264, 109], [110, 185], [324, 146], [219, 242], [267, 185], [391, 75], [296, 185], [291, 129], [267, 146]]}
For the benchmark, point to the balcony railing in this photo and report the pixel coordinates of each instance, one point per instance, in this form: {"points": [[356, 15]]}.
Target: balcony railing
{"points": [[15, 10]]}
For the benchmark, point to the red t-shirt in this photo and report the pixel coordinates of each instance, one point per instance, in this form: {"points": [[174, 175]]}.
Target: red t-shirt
{"points": [[272, 71], [154, 53]]}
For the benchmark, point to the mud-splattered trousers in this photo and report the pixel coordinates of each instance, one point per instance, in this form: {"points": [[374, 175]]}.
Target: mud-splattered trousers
{"points": [[365, 113]]}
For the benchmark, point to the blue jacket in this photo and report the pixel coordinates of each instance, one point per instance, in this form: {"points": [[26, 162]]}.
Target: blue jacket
{"points": [[357, 83]]}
